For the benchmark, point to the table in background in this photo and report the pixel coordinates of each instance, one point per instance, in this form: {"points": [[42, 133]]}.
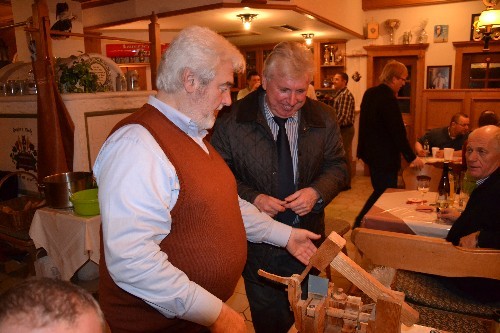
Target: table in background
{"points": [[70, 240], [391, 213], [455, 163]]}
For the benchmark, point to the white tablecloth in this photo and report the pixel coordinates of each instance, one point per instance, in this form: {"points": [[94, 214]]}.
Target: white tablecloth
{"points": [[70, 240], [420, 223]]}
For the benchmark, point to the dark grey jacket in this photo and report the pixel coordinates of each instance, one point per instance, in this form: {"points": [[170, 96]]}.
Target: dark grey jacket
{"points": [[243, 138]]}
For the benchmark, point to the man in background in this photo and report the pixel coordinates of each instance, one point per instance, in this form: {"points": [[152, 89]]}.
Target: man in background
{"points": [[382, 134], [344, 109], [253, 82], [174, 230], [452, 136], [49, 306], [286, 153]]}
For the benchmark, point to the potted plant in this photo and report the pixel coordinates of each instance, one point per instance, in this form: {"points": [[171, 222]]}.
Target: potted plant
{"points": [[76, 76]]}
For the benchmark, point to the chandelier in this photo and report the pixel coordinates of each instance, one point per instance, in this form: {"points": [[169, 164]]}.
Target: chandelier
{"points": [[308, 38], [247, 19], [487, 27]]}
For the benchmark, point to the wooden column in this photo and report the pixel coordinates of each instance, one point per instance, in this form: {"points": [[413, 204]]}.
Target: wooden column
{"points": [[155, 48], [55, 127]]}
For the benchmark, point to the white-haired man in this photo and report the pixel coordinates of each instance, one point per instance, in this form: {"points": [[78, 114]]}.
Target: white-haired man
{"points": [[174, 240], [478, 225]]}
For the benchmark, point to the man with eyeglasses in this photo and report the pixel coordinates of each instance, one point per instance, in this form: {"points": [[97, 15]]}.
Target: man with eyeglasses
{"points": [[452, 136], [382, 134]]}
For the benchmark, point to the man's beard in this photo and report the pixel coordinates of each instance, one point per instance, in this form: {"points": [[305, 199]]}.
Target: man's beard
{"points": [[190, 108]]}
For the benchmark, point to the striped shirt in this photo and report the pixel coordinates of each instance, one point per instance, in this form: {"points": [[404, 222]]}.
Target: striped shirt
{"points": [[291, 125]]}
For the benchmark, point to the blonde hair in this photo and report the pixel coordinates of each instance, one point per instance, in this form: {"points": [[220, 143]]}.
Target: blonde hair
{"points": [[392, 69]]}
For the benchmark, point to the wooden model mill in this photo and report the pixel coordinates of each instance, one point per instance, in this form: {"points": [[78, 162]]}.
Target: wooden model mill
{"points": [[333, 311]]}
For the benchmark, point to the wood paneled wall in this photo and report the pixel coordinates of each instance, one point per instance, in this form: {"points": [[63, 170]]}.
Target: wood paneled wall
{"points": [[440, 105]]}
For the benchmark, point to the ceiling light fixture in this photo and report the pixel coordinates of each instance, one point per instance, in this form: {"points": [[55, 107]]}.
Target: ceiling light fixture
{"points": [[308, 38], [488, 25], [247, 19]]}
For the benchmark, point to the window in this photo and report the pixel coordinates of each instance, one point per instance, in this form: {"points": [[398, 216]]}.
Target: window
{"points": [[482, 70]]}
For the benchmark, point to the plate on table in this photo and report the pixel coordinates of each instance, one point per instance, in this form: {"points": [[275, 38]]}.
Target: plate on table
{"points": [[415, 201]]}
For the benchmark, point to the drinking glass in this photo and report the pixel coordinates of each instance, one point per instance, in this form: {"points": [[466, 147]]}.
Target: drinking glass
{"points": [[423, 185], [442, 202]]}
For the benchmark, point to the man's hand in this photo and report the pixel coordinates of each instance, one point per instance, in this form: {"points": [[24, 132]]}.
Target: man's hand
{"points": [[255, 86], [469, 241], [269, 205], [302, 201], [449, 215], [300, 244], [229, 321], [417, 163]]}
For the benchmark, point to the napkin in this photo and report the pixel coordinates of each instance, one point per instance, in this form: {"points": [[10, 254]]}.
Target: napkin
{"points": [[424, 208]]}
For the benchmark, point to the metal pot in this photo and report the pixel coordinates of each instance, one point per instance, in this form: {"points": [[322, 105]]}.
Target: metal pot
{"points": [[59, 187]]}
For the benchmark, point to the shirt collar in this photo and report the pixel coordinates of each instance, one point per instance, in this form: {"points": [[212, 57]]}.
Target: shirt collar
{"points": [[268, 114], [183, 122]]}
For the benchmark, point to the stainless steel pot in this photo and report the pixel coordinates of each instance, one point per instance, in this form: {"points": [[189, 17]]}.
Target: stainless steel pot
{"points": [[59, 187]]}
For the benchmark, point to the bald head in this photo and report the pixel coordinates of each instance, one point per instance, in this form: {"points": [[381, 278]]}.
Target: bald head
{"points": [[483, 151]]}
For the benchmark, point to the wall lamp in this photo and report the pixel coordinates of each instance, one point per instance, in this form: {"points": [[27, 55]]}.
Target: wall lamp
{"points": [[308, 38], [247, 19], [488, 24]]}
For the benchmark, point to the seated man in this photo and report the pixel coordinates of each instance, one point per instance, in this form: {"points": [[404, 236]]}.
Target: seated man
{"points": [[452, 136], [48, 305], [478, 225]]}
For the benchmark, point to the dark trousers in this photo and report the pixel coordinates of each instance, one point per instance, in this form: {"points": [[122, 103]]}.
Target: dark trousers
{"points": [[347, 134], [381, 180], [268, 300]]}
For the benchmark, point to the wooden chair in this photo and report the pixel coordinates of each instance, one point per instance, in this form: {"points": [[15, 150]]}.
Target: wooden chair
{"points": [[424, 268], [410, 177], [426, 254]]}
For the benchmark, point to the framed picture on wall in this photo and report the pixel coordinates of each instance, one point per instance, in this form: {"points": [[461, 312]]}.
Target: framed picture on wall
{"points": [[438, 77], [473, 33], [440, 33]]}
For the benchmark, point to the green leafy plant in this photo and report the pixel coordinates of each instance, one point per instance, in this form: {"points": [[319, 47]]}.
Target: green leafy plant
{"points": [[77, 77]]}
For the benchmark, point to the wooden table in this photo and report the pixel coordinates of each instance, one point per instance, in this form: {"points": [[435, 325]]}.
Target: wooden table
{"points": [[404, 329], [70, 240], [392, 213]]}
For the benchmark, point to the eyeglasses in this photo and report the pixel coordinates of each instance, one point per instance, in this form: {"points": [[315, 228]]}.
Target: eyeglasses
{"points": [[463, 125]]}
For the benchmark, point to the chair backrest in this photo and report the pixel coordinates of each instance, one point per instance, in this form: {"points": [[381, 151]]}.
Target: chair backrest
{"points": [[425, 254], [410, 176]]}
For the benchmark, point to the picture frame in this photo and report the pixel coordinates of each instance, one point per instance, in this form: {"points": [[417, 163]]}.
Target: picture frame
{"points": [[440, 33], [372, 30], [438, 77], [473, 19]]}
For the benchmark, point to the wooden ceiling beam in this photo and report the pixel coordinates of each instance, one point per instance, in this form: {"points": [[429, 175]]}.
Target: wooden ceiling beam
{"points": [[383, 4]]}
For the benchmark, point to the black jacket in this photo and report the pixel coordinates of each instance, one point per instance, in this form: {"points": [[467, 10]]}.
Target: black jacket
{"points": [[382, 133], [481, 214], [243, 138]]}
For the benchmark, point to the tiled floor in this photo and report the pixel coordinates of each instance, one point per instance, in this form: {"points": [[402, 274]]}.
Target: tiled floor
{"points": [[346, 205]]}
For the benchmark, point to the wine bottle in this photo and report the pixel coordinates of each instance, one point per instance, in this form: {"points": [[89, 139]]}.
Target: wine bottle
{"points": [[444, 187], [426, 147]]}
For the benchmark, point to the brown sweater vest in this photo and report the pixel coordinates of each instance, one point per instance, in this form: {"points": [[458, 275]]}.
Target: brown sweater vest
{"points": [[207, 239]]}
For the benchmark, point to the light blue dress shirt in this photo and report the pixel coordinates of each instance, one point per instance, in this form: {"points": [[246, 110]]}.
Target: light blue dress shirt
{"points": [[138, 188]]}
